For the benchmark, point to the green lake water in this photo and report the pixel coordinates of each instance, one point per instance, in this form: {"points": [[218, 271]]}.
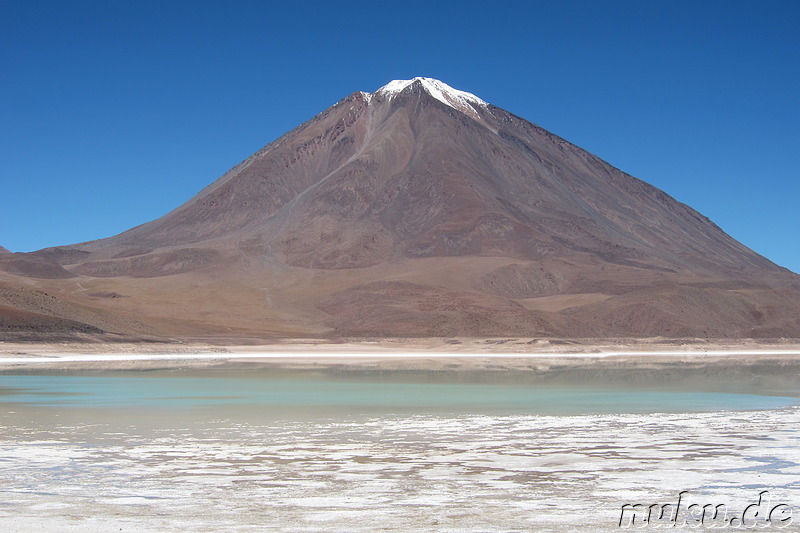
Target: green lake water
{"points": [[265, 450], [326, 394]]}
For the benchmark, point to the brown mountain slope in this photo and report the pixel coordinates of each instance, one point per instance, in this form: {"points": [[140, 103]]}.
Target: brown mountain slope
{"points": [[421, 210], [28, 312]]}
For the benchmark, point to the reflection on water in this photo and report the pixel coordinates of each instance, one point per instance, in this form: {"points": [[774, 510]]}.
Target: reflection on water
{"points": [[175, 451], [326, 394]]}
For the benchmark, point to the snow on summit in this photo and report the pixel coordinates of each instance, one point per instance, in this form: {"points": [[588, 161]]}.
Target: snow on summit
{"points": [[460, 100]]}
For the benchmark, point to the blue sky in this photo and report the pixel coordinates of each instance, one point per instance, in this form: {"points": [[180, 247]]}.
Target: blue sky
{"points": [[113, 113]]}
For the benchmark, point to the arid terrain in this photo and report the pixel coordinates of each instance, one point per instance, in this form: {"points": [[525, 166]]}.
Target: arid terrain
{"points": [[416, 211]]}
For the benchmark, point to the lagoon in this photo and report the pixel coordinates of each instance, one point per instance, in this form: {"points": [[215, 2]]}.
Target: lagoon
{"points": [[262, 450], [324, 394]]}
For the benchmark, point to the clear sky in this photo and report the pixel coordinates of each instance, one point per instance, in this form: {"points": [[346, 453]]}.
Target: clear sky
{"points": [[112, 113]]}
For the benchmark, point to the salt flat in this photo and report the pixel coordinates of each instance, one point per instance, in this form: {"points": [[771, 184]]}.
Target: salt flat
{"points": [[399, 473], [66, 357]]}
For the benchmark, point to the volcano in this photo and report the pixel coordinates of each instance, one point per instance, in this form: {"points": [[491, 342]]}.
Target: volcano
{"points": [[419, 211]]}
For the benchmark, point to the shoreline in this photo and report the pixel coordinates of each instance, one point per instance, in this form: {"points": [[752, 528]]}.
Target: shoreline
{"points": [[744, 367], [276, 356], [371, 351]]}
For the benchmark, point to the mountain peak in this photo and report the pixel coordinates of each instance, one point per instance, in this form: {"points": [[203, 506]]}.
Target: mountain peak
{"points": [[354, 223], [460, 100]]}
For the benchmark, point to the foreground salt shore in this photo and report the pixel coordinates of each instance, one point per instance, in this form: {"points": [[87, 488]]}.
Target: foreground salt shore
{"points": [[115, 469], [418, 472]]}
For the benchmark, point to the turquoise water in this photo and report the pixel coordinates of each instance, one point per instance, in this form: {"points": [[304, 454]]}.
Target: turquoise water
{"points": [[165, 390], [265, 450]]}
